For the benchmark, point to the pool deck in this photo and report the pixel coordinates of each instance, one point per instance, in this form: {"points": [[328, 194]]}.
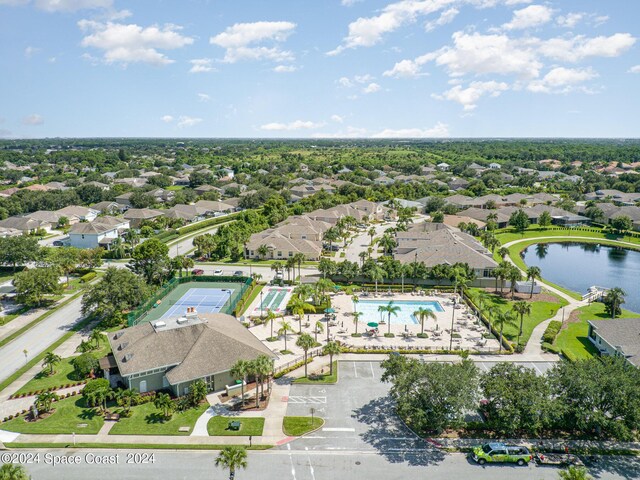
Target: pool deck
{"points": [[341, 329]]}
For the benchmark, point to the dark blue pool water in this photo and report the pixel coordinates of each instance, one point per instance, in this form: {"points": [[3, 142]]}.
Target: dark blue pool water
{"points": [[578, 266]]}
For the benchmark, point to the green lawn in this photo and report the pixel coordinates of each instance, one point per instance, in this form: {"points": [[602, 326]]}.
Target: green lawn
{"points": [[146, 419], [540, 311], [322, 379], [63, 372], [7, 318], [254, 293], [574, 338], [296, 426], [219, 426], [68, 417]]}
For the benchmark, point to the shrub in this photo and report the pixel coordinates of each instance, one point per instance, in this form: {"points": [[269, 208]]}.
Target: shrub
{"points": [[389, 335], [88, 277], [84, 364], [569, 356], [422, 335], [551, 331], [291, 368], [547, 347]]}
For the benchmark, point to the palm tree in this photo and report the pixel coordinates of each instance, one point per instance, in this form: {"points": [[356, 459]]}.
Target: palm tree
{"points": [[271, 316], [391, 309], [522, 308], [362, 256], [285, 328], [126, 398], [290, 265], [331, 349], [50, 360], [532, 274], [252, 371], [574, 473], [263, 251], [240, 370], [376, 273], [187, 263], [319, 329], [372, 233], [513, 275], [13, 471], [264, 369], [500, 319], [305, 342], [298, 306], [387, 242], [356, 317], [44, 401], [164, 403], [503, 252], [423, 313], [355, 299], [96, 336], [613, 299], [232, 457]]}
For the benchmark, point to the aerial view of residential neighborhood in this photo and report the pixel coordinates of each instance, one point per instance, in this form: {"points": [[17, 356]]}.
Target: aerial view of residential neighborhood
{"points": [[341, 239]]}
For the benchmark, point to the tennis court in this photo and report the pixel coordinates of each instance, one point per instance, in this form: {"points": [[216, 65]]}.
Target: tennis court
{"points": [[206, 297]]}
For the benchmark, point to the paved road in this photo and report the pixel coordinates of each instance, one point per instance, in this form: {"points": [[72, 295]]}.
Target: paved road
{"points": [[36, 339], [306, 465]]}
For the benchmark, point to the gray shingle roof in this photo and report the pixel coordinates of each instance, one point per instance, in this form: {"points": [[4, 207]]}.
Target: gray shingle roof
{"points": [[622, 332]]}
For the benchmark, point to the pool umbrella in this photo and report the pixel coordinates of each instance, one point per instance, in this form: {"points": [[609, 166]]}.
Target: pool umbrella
{"points": [[337, 287], [329, 310], [372, 325]]}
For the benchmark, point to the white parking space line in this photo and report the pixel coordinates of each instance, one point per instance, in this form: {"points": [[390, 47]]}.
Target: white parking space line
{"points": [[536, 367], [355, 372]]}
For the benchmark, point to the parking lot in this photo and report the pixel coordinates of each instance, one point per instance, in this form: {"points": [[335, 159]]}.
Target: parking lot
{"points": [[358, 412]]}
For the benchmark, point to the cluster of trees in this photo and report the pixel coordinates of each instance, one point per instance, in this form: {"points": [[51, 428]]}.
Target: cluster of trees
{"points": [[260, 370], [599, 397]]}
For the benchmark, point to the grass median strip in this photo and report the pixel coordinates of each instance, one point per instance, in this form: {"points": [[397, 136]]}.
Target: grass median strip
{"points": [[321, 378], [297, 426], [221, 426]]}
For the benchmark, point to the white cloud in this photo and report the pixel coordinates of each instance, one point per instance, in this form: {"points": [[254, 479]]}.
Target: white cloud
{"points": [[635, 69], [349, 3], [439, 130], [52, 60], [349, 132], [579, 47], [570, 20], [531, 16], [296, 125], [33, 119], [363, 78], [337, 118], [468, 97], [345, 82], [404, 69], [371, 88], [132, 43], [203, 97], [284, 69], [368, 31], [562, 80], [201, 65], [239, 41], [445, 17], [166, 118], [186, 121], [31, 51]]}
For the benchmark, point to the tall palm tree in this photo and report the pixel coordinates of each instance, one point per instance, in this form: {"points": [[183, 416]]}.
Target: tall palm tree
{"points": [[363, 256], [44, 400], [298, 306], [331, 349], [391, 310], [613, 299], [422, 314], [522, 308], [290, 265], [126, 398], [252, 371], [276, 266], [305, 342], [372, 233], [96, 336], [356, 318], [501, 319], [299, 258], [240, 370], [513, 275], [503, 252], [50, 360], [263, 251], [285, 328], [232, 457], [533, 273], [376, 273], [319, 329], [355, 299], [264, 369]]}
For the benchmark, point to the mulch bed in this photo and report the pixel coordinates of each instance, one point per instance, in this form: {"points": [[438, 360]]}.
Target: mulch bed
{"points": [[537, 297]]}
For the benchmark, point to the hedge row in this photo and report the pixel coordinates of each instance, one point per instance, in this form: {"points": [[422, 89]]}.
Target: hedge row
{"points": [[291, 368], [550, 333], [24, 412], [50, 389], [88, 277], [206, 223]]}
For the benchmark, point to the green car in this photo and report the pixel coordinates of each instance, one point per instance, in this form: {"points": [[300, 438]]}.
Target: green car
{"points": [[501, 453]]}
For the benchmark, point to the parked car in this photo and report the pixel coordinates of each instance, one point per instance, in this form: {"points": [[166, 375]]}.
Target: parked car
{"points": [[279, 276], [217, 272], [238, 273], [197, 271], [58, 243], [501, 453]]}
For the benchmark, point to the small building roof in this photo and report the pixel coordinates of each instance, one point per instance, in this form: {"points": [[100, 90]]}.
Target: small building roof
{"points": [[621, 333]]}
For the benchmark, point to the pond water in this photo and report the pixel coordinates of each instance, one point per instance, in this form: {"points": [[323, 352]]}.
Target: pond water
{"points": [[577, 266]]}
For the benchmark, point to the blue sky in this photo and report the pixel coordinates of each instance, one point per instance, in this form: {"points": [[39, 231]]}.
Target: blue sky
{"points": [[319, 68]]}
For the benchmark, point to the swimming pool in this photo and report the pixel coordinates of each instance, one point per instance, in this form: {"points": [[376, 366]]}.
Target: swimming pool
{"points": [[369, 308]]}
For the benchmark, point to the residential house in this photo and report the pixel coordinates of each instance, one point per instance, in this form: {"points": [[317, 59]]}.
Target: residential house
{"points": [[202, 189], [99, 233], [25, 225], [138, 215], [495, 166], [210, 208], [188, 213], [110, 208], [443, 167], [9, 232], [84, 214], [175, 352], [280, 247], [619, 337]]}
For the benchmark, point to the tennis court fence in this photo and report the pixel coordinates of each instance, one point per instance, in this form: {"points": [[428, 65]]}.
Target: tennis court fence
{"points": [[235, 301]]}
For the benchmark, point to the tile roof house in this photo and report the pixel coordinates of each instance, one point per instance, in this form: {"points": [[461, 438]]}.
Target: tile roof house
{"points": [[99, 233], [175, 352], [281, 247], [85, 214], [137, 215], [617, 337], [24, 224]]}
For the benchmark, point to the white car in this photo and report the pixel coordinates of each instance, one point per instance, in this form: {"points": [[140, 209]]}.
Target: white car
{"points": [[279, 276], [217, 272]]}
